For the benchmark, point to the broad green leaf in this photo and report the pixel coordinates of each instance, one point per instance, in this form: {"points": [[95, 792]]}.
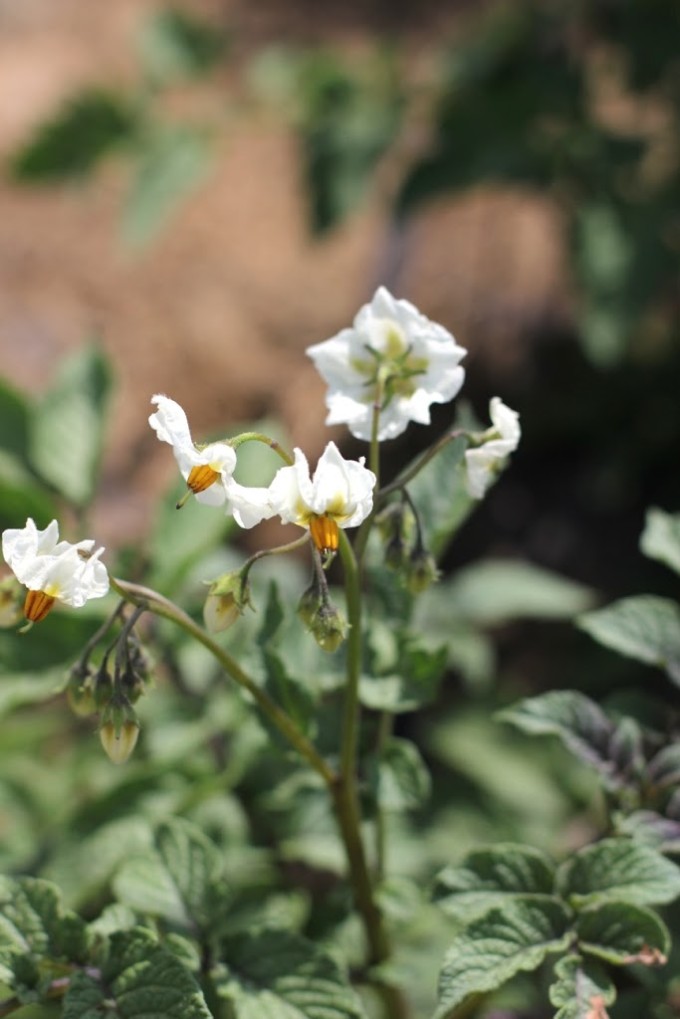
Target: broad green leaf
{"points": [[577, 720], [643, 627], [489, 877], [581, 990], [175, 45], [415, 684], [179, 880], [403, 781], [70, 144], [21, 496], [67, 427], [279, 975], [661, 537], [494, 947], [172, 163], [28, 688], [14, 421], [619, 870], [622, 933], [652, 829], [664, 768], [140, 980], [495, 591], [34, 926], [442, 508]]}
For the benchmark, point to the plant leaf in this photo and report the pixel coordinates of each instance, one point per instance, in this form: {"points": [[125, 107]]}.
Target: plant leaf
{"points": [[403, 781], [180, 879], [664, 768], [619, 870], [140, 980], [652, 829], [582, 989], [67, 426], [175, 45], [489, 877], [279, 975], [661, 537], [643, 627], [494, 947], [578, 721], [622, 934]]}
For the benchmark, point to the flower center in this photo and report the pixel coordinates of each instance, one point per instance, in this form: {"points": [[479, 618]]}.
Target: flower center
{"points": [[392, 370], [201, 477], [324, 532], [37, 605]]}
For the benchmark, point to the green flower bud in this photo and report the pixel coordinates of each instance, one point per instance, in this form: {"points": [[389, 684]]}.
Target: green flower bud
{"points": [[119, 730], [226, 601], [309, 605], [421, 571], [80, 693], [329, 628], [11, 599]]}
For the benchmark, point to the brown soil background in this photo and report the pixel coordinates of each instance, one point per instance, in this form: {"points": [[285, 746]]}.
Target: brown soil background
{"points": [[218, 311]]}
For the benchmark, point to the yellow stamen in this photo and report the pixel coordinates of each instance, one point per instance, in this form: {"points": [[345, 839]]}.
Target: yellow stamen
{"points": [[37, 605], [201, 477], [324, 532]]}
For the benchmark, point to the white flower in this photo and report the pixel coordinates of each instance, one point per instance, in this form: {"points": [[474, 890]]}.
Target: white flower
{"points": [[484, 462], [394, 353], [208, 470], [340, 494], [52, 569]]}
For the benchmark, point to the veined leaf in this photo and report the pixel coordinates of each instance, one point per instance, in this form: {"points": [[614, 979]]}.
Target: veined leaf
{"points": [[661, 537], [493, 948], [619, 870], [279, 975], [622, 934], [643, 627], [582, 989], [491, 876], [67, 427], [141, 979], [403, 781]]}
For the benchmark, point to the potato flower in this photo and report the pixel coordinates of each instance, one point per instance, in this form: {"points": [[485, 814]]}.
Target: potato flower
{"points": [[208, 470], [484, 462], [394, 354], [53, 570], [340, 494]]}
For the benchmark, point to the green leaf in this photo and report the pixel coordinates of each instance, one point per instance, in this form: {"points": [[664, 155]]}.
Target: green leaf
{"points": [[621, 870], [664, 768], [298, 697], [172, 163], [403, 781], [279, 975], [495, 591], [577, 720], [28, 688], [140, 980], [661, 537], [67, 427], [175, 45], [494, 947], [70, 144], [652, 829], [414, 685], [179, 880], [14, 421], [21, 496], [644, 627], [622, 933], [580, 989], [34, 927], [441, 508], [489, 877]]}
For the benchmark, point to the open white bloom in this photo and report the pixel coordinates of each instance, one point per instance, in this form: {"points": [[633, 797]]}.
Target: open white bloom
{"points": [[208, 470], [392, 353], [340, 494], [484, 462], [52, 569]]}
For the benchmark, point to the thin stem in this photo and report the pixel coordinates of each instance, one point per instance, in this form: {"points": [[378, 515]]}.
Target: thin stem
{"points": [[385, 726], [150, 600], [291, 546], [415, 468], [267, 440]]}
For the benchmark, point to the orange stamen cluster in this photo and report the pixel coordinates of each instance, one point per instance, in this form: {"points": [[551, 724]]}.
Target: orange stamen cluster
{"points": [[37, 605], [201, 477], [324, 532]]}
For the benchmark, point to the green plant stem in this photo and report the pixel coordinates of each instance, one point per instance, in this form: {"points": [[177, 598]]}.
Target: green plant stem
{"points": [[238, 440], [415, 468], [150, 600], [385, 726]]}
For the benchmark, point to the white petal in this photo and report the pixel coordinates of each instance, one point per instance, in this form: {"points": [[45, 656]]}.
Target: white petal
{"points": [[170, 422], [249, 505]]}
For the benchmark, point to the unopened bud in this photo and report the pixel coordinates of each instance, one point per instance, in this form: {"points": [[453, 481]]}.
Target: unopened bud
{"points": [[226, 601], [80, 693], [119, 731], [421, 571], [329, 628], [395, 524], [309, 604], [10, 602]]}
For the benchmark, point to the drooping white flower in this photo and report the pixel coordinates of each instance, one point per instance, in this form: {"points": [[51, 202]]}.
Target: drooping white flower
{"points": [[52, 569], [208, 470], [485, 461], [392, 353], [340, 494]]}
